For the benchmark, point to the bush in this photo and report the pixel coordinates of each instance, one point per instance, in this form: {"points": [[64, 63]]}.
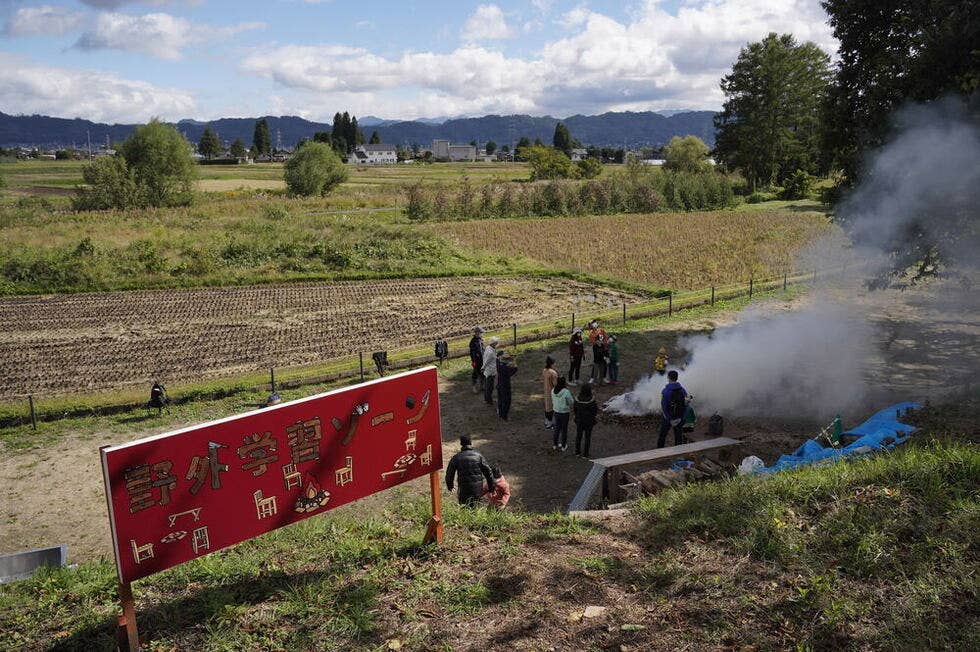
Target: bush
{"points": [[275, 212], [315, 169], [757, 198], [797, 186], [550, 163], [109, 185], [589, 168], [687, 154]]}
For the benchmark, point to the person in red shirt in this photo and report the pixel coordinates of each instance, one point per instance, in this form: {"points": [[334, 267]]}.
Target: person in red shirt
{"points": [[499, 495]]}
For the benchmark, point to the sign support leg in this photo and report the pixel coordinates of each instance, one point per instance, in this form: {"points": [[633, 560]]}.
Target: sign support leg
{"points": [[433, 533], [126, 632]]}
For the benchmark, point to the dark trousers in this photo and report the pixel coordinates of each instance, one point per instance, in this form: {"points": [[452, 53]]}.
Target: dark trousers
{"points": [[614, 371], [583, 432], [599, 370], [478, 376], [488, 384], [575, 370], [503, 402], [561, 428], [467, 499], [678, 433]]}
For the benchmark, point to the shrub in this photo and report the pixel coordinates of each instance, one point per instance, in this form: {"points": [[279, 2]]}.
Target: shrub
{"points": [[418, 207], [275, 212], [797, 186], [589, 168], [109, 185], [757, 198], [315, 169], [550, 163], [160, 164], [687, 154]]}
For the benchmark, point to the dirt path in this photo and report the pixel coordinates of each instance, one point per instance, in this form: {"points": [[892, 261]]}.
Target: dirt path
{"points": [[928, 346]]}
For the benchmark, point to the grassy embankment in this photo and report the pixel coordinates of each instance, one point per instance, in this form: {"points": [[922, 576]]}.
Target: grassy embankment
{"points": [[878, 553]]}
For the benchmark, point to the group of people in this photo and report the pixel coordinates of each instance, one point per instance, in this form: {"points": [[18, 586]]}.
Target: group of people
{"points": [[605, 355], [493, 368]]}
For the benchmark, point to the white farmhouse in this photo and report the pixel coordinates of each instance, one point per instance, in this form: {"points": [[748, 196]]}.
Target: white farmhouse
{"points": [[380, 154]]}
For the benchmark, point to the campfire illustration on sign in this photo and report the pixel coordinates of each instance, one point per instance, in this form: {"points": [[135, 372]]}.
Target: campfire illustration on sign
{"points": [[313, 497]]}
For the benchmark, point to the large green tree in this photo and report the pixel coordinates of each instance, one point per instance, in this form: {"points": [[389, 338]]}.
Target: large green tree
{"points": [[562, 139], [890, 53], [210, 145], [549, 163], [771, 123], [686, 154], [315, 169], [375, 138], [237, 148], [261, 140]]}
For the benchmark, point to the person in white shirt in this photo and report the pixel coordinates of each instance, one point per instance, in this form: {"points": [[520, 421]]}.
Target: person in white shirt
{"points": [[490, 369]]}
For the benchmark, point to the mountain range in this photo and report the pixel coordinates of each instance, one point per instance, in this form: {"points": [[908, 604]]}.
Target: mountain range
{"points": [[629, 129]]}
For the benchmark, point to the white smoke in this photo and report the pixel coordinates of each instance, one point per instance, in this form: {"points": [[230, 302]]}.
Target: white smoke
{"points": [[797, 364]]}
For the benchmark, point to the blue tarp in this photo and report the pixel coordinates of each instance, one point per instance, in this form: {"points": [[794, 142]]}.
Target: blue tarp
{"points": [[882, 430]]}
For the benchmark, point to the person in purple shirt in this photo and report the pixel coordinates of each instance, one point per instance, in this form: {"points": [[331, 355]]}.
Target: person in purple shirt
{"points": [[673, 403]]}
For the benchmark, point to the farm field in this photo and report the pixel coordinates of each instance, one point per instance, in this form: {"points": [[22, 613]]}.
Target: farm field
{"points": [[676, 250], [94, 342]]}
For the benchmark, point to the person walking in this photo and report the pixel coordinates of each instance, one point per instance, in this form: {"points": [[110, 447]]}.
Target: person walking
{"points": [[586, 412], [563, 401], [506, 368], [442, 350], [476, 358], [673, 405], [472, 469], [613, 360], [576, 350], [489, 369], [549, 378], [498, 495]]}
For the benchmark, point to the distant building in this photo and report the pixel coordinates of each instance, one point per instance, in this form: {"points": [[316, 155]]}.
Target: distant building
{"points": [[579, 153], [440, 149], [380, 154], [443, 150]]}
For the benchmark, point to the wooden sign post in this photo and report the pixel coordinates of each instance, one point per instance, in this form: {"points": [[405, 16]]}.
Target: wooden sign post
{"points": [[180, 495]]}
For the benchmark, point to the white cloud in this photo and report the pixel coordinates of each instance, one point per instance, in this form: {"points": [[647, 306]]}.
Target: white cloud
{"points": [[114, 4], [29, 88], [43, 20], [488, 22], [544, 6], [159, 35]]}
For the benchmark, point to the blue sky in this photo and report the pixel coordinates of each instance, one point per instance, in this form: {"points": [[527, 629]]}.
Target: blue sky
{"points": [[128, 60]]}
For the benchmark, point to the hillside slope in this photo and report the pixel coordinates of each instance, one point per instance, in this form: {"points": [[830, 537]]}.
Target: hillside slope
{"points": [[878, 553]]}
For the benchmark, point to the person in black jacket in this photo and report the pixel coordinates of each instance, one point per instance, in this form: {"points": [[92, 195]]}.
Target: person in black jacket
{"points": [[586, 412], [472, 469], [506, 367], [576, 349], [476, 357]]}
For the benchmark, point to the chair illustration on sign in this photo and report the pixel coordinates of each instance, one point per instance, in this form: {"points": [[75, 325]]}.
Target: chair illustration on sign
{"points": [[291, 476], [264, 506], [345, 474], [200, 539], [410, 442], [426, 458], [141, 553]]}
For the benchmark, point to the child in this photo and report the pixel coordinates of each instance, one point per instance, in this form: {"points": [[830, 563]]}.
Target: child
{"points": [[660, 364], [613, 360], [562, 401], [499, 494], [586, 411]]}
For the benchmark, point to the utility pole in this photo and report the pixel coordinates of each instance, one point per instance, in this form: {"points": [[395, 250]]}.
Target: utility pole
{"points": [[88, 136]]}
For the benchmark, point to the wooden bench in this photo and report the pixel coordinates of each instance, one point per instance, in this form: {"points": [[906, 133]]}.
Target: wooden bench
{"points": [[602, 471]]}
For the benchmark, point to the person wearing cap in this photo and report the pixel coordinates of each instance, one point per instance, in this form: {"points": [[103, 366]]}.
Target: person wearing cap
{"points": [[489, 369], [506, 368], [476, 358], [549, 378], [576, 350], [472, 469]]}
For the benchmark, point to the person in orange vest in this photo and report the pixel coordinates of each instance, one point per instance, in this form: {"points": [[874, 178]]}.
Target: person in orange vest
{"points": [[499, 494]]}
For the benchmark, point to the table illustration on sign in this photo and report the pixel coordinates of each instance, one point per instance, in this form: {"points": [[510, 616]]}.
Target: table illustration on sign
{"points": [[401, 466], [264, 506], [196, 513], [382, 418], [174, 537], [410, 440], [313, 497], [291, 477], [345, 474], [426, 458], [418, 416], [200, 539], [141, 553]]}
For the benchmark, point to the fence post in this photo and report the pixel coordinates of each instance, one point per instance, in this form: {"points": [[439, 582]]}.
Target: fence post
{"points": [[573, 321], [361, 356], [515, 337], [30, 399], [624, 313], [784, 281], [272, 381], [670, 303], [751, 284], [712, 295]]}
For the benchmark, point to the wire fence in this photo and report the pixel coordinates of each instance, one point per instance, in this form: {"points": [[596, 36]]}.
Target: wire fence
{"points": [[362, 366]]}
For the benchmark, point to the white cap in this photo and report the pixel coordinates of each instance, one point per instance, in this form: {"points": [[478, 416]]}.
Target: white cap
{"points": [[493, 340]]}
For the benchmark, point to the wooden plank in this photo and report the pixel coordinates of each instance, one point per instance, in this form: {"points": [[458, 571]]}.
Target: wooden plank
{"points": [[600, 514], [588, 488], [667, 453]]}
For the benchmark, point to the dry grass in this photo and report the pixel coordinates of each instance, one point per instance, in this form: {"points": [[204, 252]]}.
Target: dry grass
{"points": [[677, 250]]}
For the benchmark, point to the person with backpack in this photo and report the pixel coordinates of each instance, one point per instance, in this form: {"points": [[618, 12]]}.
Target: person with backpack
{"points": [[563, 401], [476, 359], [613, 360], [576, 351], [506, 368], [158, 396], [442, 350], [673, 405], [586, 414], [549, 378], [472, 469]]}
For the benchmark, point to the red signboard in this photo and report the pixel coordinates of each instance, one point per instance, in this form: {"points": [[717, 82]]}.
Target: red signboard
{"points": [[180, 495]]}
